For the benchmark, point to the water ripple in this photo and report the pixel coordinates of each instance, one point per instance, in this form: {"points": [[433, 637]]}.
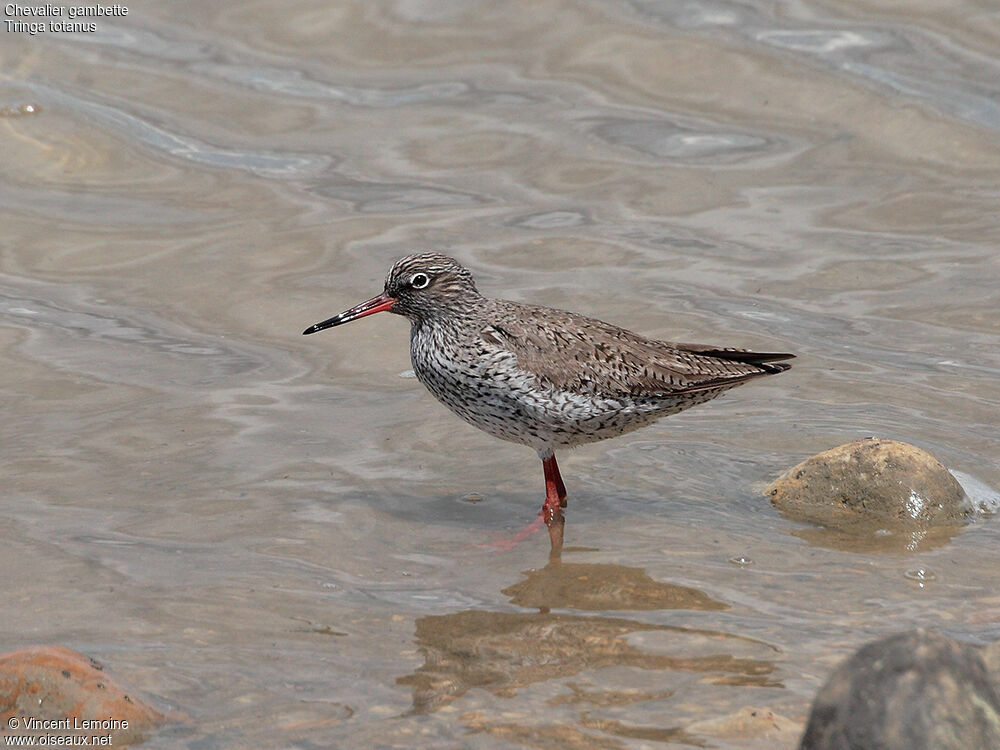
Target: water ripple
{"points": [[944, 72], [672, 140], [300, 85], [263, 163]]}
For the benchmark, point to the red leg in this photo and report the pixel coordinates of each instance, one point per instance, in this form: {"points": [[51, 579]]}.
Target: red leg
{"points": [[555, 501], [555, 490], [551, 513]]}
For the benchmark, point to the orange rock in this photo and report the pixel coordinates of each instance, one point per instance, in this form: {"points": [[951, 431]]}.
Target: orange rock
{"points": [[56, 684]]}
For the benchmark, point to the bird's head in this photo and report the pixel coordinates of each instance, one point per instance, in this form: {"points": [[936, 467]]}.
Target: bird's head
{"points": [[422, 287]]}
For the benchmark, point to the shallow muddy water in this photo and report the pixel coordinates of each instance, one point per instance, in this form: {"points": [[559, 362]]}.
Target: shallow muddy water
{"points": [[276, 535]]}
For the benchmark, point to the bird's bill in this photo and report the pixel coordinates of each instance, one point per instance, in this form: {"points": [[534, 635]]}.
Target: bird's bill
{"points": [[377, 304]]}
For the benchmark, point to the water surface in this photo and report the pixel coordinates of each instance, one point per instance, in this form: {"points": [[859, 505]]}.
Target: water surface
{"points": [[274, 535]]}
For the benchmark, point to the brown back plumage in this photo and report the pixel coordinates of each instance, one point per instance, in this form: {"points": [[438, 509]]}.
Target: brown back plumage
{"points": [[588, 356]]}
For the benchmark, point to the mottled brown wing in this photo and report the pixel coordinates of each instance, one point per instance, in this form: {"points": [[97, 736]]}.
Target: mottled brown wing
{"points": [[589, 356]]}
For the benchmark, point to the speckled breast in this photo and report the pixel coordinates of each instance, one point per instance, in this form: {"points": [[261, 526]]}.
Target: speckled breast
{"points": [[487, 389]]}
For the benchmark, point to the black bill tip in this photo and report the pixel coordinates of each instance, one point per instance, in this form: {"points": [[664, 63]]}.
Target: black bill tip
{"points": [[378, 303], [320, 326]]}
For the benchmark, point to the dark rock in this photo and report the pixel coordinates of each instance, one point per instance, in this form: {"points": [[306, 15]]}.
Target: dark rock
{"points": [[911, 691]]}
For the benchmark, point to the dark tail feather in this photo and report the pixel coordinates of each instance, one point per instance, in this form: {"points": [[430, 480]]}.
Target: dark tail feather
{"points": [[775, 367], [762, 360]]}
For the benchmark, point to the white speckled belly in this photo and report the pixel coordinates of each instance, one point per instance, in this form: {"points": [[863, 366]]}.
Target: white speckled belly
{"points": [[487, 389]]}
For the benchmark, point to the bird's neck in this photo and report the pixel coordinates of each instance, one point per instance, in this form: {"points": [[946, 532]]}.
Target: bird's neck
{"points": [[456, 316]]}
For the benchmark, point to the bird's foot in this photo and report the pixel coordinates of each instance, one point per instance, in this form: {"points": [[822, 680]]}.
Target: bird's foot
{"points": [[506, 544], [550, 516], [552, 512]]}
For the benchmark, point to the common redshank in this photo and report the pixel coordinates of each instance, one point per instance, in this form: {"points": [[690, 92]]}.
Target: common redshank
{"points": [[541, 377]]}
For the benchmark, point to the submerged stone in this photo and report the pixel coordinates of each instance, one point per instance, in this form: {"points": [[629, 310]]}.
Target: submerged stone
{"points": [[502, 652], [602, 587], [750, 722]]}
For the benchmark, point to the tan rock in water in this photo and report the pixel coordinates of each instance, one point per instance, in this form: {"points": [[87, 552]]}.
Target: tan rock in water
{"points": [[885, 480]]}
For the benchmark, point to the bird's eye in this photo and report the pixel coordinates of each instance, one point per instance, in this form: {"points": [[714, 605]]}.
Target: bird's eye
{"points": [[419, 280]]}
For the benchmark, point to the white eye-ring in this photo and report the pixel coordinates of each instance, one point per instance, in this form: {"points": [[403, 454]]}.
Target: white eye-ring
{"points": [[420, 280]]}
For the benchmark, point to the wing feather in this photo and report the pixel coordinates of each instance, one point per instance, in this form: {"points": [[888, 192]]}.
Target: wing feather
{"points": [[588, 356]]}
